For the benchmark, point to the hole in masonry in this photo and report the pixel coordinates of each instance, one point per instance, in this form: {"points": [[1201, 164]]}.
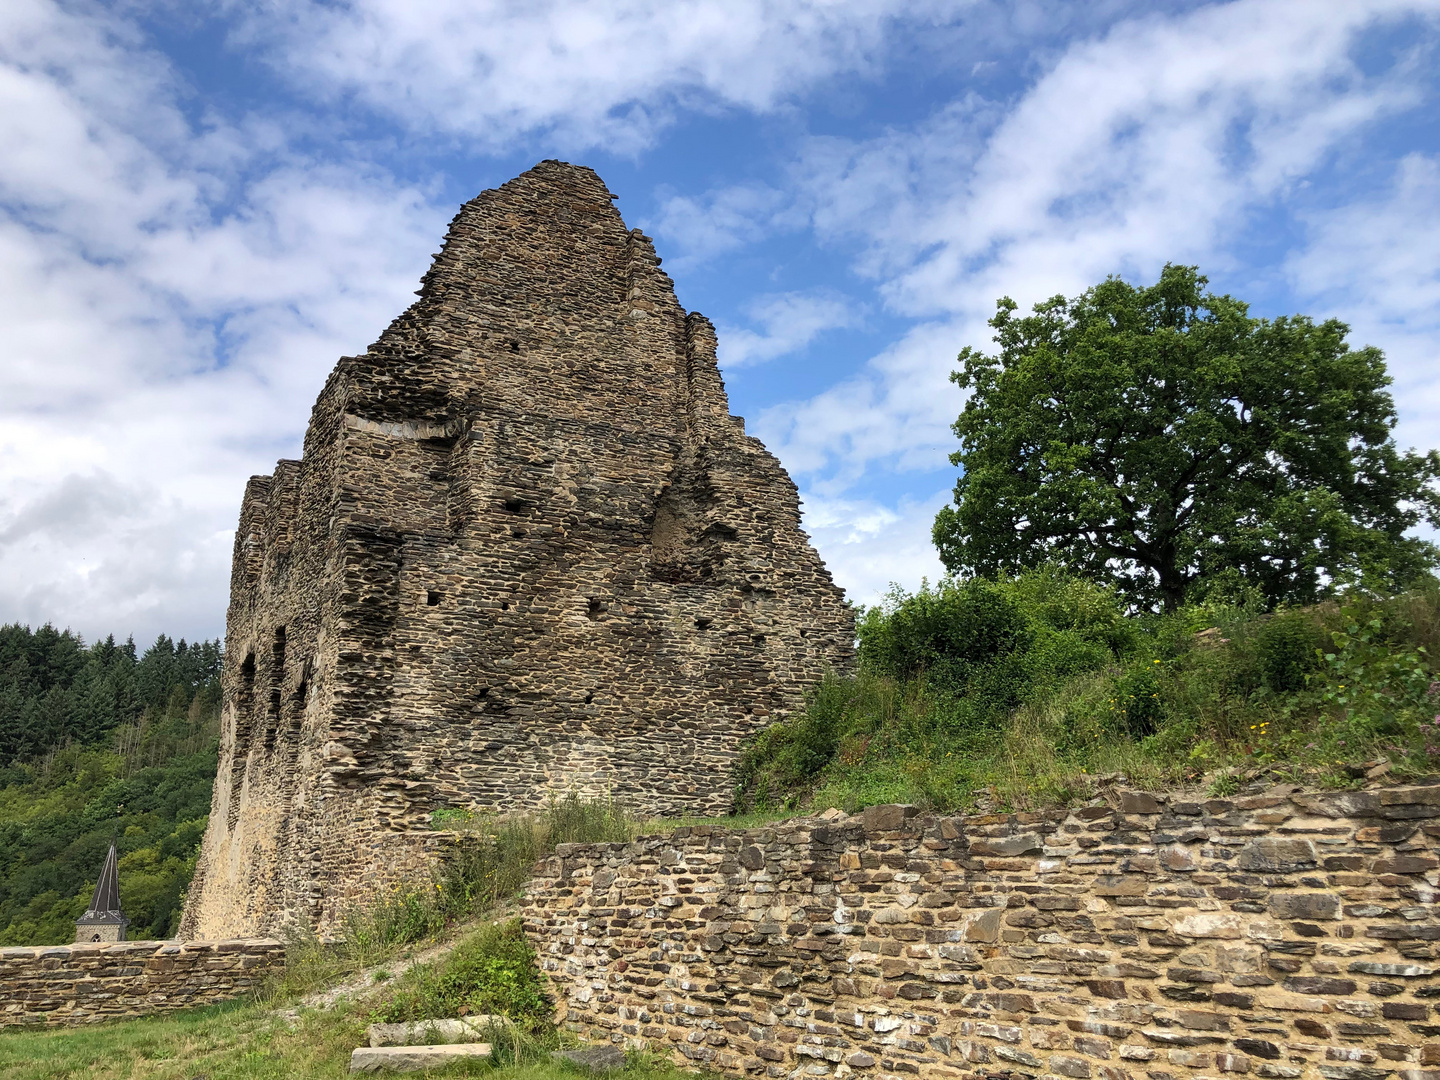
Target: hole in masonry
{"points": [[596, 609], [702, 622], [589, 697], [518, 533], [504, 605], [514, 345], [273, 723], [758, 639], [432, 598], [514, 504]]}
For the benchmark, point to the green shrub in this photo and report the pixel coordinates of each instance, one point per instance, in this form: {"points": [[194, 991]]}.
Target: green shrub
{"points": [[1138, 707], [946, 632], [1021, 691], [1286, 649], [493, 971]]}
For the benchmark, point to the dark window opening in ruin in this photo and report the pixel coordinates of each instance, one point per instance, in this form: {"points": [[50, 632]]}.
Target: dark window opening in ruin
{"points": [[245, 701], [244, 721], [589, 697], [514, 504], [301, 692], [432, 598], [273, 724], [596, 609], [702, 622], [514, 345], [504, 605], [277, 683], [519, 533]]}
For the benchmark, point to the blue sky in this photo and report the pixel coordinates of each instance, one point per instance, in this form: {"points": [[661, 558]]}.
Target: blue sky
{"points": [[201, 208]]}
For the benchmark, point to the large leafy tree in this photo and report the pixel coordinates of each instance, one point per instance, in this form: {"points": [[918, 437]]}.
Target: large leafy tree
{"points": [[1161, 439]]}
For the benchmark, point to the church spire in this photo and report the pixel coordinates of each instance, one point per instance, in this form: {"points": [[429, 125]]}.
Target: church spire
{"points": [[104, 921]]}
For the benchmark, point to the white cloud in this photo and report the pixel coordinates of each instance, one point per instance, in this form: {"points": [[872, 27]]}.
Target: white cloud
{"points": [[788, 322], [702, 227], [167, 322], [1376, 265], [898, 412], [609, 73], [869, 545], [1155, 142], [1149, 143], [174, 290]]}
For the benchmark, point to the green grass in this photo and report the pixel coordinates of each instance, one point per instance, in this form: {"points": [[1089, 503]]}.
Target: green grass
{"points": [[245, 1041]]}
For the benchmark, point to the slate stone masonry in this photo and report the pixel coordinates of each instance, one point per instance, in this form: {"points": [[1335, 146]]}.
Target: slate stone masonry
{"points": [[83, 984], [1285, 936], [527, 551]]}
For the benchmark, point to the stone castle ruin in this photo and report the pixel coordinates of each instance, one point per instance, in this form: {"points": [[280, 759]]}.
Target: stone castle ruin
{"points": [[527, 551]]}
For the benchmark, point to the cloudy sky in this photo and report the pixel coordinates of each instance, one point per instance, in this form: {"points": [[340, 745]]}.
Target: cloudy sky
{"points": [[203, 206]]}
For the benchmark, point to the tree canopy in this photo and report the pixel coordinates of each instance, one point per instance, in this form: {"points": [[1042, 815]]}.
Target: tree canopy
{"points": [[1161, 440]]}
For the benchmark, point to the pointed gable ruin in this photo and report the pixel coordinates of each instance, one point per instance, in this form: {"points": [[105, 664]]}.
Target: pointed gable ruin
{"points": [[527, 551]]}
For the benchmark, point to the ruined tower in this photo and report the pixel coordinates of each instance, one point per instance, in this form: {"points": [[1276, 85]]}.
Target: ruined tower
{"points": [[527, 551]]}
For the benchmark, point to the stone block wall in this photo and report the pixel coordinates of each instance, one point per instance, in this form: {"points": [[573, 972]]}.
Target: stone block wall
{"points": [[86, 983], [1287, 936]]}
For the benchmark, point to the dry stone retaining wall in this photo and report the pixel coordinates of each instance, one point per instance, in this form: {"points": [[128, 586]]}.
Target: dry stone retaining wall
{"points": [[1285, 936], [85, 983]]}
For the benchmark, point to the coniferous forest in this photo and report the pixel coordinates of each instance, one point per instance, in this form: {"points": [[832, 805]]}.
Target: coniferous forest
{"points": [[98, 741]]}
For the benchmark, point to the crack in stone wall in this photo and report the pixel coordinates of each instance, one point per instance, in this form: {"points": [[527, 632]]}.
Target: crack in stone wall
{"points": [[1288, 936], [527, 550]]}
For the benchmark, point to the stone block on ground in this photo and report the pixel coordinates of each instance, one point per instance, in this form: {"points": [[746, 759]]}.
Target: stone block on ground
{"points": [[434, 1032], [369, 1059], [595, 1058]]}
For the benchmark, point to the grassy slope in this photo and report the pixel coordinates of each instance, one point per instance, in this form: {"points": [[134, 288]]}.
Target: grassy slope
{"points": [[1026, 693], [241, 1041]]}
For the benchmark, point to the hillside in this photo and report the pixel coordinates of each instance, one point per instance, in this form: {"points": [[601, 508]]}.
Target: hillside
{"points": [[99, 742], [1025, 692]]}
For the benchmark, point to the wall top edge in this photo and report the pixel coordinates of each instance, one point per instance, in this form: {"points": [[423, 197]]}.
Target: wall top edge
{"points": [[139, 948], [1145, 808]]}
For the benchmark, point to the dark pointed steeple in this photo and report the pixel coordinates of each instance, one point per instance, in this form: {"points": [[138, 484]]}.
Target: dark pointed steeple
{"points": [[104, 921]]}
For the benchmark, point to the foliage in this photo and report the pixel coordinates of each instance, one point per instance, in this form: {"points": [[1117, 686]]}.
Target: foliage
{"points": [[490, 859], [493, 971], [101, 744], [1160, 438], [57, 691], [1022, 691]]}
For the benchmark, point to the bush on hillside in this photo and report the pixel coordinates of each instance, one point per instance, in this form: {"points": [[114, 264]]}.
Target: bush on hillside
{"points": [[493, 971], [1026, 688]]}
